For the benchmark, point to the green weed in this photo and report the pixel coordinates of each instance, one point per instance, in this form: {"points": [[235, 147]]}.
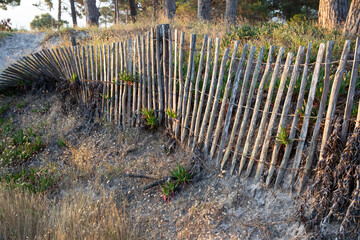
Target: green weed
{"points": [[171, 113], [42, 110], [181, 174], [4, 108], [150, 119], [283, 137], [62, 142], [32, 180]]}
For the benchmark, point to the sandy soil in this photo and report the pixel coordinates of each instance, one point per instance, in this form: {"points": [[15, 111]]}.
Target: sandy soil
{"points": [[17, 45]]}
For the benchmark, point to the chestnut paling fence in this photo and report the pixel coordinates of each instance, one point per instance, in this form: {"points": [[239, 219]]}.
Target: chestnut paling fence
{"points": [[255, 112]]}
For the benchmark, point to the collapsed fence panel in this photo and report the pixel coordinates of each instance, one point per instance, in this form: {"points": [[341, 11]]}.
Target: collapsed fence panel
{"points": [[245, 114]]}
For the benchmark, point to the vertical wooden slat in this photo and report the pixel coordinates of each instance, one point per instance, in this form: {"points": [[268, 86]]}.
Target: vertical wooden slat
{"points": [[96, 64], [175, 71], [203, 90], [135, 85], [129, 87], [171, 80], [140, 83], [264, 115], [159, 78], [224, 101], [211, 93], [240, 107], [285, 111], [181, 85], [148, 73], [165, 64], [108, 83], [116, 83], [322, 106], [260, 92], [351, 92], [216, 101], [111, 81], [308, 109], [143, 54], [274, 114], [153, 70], [197, 84], [333, 97], [295, 121], [121, 83], [185, 114]]}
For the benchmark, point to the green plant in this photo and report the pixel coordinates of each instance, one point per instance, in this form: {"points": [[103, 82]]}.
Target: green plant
{"points": [[20, 105], [106, 96], [4, 108], [62, 142], [172, 114], [283, 137], [150, 119], [181, 174], [33, 180], [74, 78], [126, 77], [168, 189]]}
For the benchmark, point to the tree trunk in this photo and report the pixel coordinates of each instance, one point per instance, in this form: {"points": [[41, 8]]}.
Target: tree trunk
{"points": [[156, 9], [169, 8], [204, 10], [332, 13], [59, 14], [92, 13], [352, 25], [230, 13], [133, 11], [73, 13], [116, 15]]}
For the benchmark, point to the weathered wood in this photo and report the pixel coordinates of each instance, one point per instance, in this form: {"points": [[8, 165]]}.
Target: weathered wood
{"points": [[295, 121], [159, 77], [211, 93], [165, 65], [261, 127], [322, 106], [260, 92], [176, 38], [203, 90], [181, 86], [108, 83], [134, 85], [184, 113], [224, 102], [139, 85], [333, 97], [171, 80], [153, 69], [308, 109], [129, 92], [285, 111], [216, 101], [274, 114], [111, 81], [351, 92], [143, 90], [197, 84], [148, 72], [116, 83], [240, 107]]}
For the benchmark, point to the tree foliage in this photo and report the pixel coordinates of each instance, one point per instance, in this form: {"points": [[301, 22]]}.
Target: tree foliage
{"points": [[5, 3], [45, 21]]}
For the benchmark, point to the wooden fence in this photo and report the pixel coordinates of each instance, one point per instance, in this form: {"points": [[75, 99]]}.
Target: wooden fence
{"points": [[263, 119]]}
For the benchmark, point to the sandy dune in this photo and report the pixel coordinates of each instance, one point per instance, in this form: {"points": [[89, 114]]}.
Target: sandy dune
{"points": [[17, 45]]}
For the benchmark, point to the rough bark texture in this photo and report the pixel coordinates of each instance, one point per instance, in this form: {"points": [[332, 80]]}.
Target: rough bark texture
{"points": [[73, 12], [332, 13], [133, 11], [116, 11], [92, 13], [230, 13], [156, 9], [352, 25], [59, 14], [169, 8], [204, 10]]}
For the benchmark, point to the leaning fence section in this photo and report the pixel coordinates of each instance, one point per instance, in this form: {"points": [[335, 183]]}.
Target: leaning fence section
{"points": [[259, 113]]}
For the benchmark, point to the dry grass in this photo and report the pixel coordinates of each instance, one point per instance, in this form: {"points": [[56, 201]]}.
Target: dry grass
{"points": [[78, 216]]}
